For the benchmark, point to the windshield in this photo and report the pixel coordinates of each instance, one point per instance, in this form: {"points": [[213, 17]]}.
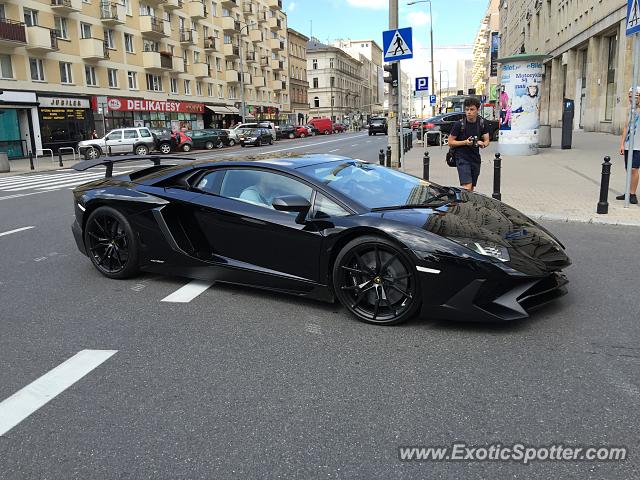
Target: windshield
{"points": [[372, 185], [248, 131]]}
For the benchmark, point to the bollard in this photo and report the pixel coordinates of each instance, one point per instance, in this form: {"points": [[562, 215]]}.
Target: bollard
{"points": [[381, 157], [60, 159], [497, 166], [109, 149], [425, 166], [389, 156], [410, 136], [31, 160], [603, 204]]}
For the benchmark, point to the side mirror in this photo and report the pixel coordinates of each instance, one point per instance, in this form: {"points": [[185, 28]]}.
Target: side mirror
{"points": [[293, 203]]}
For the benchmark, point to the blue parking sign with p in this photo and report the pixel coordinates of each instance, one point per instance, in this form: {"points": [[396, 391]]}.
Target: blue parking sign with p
{"points": [[422, 84]]}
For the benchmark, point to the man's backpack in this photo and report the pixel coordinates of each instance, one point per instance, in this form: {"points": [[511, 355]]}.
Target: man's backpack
{"points": [[451, 154]]}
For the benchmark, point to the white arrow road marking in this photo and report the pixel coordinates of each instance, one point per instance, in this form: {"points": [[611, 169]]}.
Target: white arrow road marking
{"points": [[38, 393], [16, 231], [188, 292]]}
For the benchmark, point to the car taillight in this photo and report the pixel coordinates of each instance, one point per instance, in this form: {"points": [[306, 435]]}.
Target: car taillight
{"points": [[429, 125]]}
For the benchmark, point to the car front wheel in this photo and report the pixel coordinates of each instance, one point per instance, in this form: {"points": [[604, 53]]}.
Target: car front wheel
{"points": [[376, 281], [142, 150], [232, 142], [186, 147], [291, 135], [165, 148], [209, 145], [91, 153]]}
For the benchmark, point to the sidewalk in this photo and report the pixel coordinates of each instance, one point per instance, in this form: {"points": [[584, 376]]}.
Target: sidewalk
{"points": [[556, 184]]}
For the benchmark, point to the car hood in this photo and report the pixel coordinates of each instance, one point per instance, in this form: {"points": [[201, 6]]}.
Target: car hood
{"points": [[95, 141], [532, 248]]}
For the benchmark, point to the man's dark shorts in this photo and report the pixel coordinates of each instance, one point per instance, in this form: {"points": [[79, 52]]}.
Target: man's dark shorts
{"points": [[635, 163], [468, 171]]}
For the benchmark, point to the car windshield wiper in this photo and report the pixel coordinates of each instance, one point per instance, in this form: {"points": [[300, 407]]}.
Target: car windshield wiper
{"points": [[429, 202]]}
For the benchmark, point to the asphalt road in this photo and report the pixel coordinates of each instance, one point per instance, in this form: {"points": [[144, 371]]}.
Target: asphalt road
{"points": [[239, 383]]}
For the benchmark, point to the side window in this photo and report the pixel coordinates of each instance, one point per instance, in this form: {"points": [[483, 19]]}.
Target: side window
{"points": [[145, 133], [261, 187], [325, 208], [116, 135], [128, 134], [210, 182]]}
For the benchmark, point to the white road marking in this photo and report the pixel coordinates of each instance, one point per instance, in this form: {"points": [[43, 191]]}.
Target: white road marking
{"points": [[188, 292], [21, 229], [20, 195], [355, 145], [86, 177], [38, 393], [428, 270], [39, 259], [334, 150]]}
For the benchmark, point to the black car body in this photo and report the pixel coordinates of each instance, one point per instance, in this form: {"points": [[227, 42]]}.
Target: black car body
{"points": [[300, 225], [255, 137], [378, 125], [165, 140], [443, 123], [286, 131]]}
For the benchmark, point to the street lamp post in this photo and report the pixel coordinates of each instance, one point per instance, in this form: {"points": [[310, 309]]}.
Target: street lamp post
{"points": [[246, 25], [433, 73]]}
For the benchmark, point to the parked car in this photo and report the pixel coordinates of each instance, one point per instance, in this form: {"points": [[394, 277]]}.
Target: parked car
{"points": [[208, 139], [313, 131], [138, 140], [302, 131], [323, 125], [255, 136], [267, 125], [223, 134], [339, 127], [444, 122], [232, 135], [165, 140], [286, 131], [378, 125]]}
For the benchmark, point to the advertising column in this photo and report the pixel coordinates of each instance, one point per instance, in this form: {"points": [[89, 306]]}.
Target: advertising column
{"points": [[519, 103]]}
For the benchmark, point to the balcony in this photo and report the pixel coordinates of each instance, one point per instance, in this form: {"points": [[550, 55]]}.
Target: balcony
{"points": [[12, 34], [262, 17], [274, 4], [276, 64], [264, 61], [156, 2], [41, 39], [248, 8], [255, 36], [276, 44], [201, 70], [157, 61], [232, 76], [251, 57], [229, 3], [229, 24], [173, 4], [274, 24], [197, 10], [277, 85], [152, 26], [93, 49], [66, 6], [231, 51], [259, 82], [189, 37], [113, 13], [211, 44]]}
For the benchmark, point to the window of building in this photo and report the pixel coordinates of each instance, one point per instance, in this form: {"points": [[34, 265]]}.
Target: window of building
{"points": [[316, 102], [37, 69], [315, 83], [332, 81], [196, 56], [66, 75], [232, 92], [30, 17], [150, 46], [331, 63], [199, 89], [173, 85], [333, 101], [227, 39], [90, 75], [611, 77], [209, 90], [62, 27], [85, 30], [154, 83], [6, 69], [220, 91], [128, 42], [314, 63], [147, 10], [132, 80], [187, 87], [112, 75], [108, 37], [218, 64]]}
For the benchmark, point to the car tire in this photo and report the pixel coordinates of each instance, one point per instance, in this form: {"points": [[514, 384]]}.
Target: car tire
{"points": [[370, 133], [232, 142], [302, 135], [186, 147], [141, 150], [111, 244], [220, 144], [496, 135], [242, 145], [209, 145], [165, 148], [259, 142], [271, 141], [292, 135], [372, 271], [91, 153], [327, 132]]}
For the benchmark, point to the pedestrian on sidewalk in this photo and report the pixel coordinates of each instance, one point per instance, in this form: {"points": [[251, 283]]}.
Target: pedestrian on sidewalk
{"points": [[624, 150], [467, 137]]}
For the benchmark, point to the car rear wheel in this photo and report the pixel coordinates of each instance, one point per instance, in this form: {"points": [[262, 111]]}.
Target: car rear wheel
{"points": [[209, 145], [259, 142], [186, 147], [327, 132], [232, 142], [165, 148], [271, 141], [111, 244], [142, 150], [220, 144], [91, 153], [376, 281], [292, 135]]}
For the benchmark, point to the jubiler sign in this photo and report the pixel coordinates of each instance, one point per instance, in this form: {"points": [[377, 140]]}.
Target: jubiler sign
{"points": [[133, 105]]}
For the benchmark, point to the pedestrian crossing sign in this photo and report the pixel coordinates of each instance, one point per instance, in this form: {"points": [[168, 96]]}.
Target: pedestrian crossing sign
{"points": [[633, 17], [398, 44]]}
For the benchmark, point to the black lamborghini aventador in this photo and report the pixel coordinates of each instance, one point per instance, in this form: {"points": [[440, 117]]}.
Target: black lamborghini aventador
{"points": [[387, 245]]}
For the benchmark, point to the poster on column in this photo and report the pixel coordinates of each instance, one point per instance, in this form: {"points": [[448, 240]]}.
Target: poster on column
{"points": [[519, 103]]}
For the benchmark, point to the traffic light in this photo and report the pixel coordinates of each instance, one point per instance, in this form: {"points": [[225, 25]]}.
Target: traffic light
{"points": [[392, 68]]}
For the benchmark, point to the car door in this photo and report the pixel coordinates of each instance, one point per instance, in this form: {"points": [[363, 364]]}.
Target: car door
{"points": [[113, 142], [242, 227], [129, 139]]}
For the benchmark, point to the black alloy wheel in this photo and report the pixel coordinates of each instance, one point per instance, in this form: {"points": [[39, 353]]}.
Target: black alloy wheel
{"points": [[110, 243], [376, 281]]}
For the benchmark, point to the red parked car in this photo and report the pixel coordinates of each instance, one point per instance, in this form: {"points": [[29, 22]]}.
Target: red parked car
{"points": [[323, 125], [339, 128]]}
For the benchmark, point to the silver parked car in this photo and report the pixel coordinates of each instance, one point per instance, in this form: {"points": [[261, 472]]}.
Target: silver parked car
{"points": [[138, 140]]}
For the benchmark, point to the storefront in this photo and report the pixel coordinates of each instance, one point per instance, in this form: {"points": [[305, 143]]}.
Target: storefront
{"points": [[19, 126], [134, 112], [220, 116], [266, 113], [64, 121]]}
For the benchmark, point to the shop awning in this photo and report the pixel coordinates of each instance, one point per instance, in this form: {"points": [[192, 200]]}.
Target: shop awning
{"points": [[222, 110], [232, 109]]}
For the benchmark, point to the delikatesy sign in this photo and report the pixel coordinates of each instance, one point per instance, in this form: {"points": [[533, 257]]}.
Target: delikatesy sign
{"points": [[138, 105]]}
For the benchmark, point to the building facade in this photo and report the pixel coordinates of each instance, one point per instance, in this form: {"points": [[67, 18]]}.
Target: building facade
{"points": [[335, 82], [298, 84], [589, 57], [69, 66], [484, 73]]}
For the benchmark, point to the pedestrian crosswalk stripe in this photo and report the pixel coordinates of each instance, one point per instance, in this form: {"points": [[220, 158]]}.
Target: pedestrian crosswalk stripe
{"points": [[52, 182], [32, 184]]}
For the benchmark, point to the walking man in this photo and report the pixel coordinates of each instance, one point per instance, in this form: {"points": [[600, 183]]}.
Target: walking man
{"points": [[467, 137], [624, 150]]}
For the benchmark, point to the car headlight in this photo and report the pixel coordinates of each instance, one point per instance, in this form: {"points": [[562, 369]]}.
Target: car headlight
{"points": [[484, 247]]}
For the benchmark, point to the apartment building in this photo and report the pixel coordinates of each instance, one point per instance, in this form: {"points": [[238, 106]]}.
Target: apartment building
{"points": [[589, 57], [335, 82], [69, 66], [484, 73], [298, 84]]}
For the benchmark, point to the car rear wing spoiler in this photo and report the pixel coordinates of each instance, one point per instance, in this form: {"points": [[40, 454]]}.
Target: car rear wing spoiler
{"points": [[109, 161]]}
